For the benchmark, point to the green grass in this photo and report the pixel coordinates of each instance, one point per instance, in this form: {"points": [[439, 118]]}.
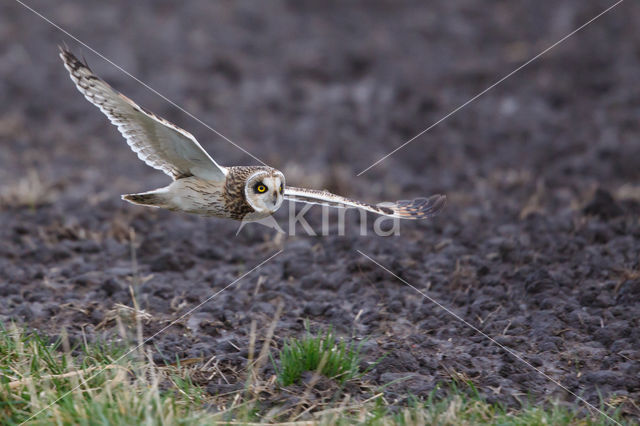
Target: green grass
{"points": [[469, 408], [36, 373], [322, 353]]}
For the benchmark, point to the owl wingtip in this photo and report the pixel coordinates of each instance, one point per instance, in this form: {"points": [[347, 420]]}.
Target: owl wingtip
{"points": [[65, 53], [422, 208], [439, 204], [71, 60]]}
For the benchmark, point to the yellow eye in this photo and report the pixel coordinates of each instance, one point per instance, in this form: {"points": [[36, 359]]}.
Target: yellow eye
{"points": [[261, 189]]}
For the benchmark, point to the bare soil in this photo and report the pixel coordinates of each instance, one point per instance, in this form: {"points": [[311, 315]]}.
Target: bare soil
{"points": [[538, 247]]}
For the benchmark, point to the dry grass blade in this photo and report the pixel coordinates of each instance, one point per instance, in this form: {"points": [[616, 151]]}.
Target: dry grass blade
{"points": [[25, 382], [264, 352]]}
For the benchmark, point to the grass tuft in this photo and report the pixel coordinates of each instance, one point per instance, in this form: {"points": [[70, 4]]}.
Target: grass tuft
{"points": [[29, 191], [322, 353]]}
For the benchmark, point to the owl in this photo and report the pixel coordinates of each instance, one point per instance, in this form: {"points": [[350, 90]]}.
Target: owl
{"points": [[200, 185]]}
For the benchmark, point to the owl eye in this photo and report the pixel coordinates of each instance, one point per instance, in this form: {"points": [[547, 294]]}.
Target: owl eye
{"points": [[261, 189], [281, 188]]}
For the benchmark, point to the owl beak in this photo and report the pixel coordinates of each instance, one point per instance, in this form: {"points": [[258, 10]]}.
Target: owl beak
{"points": [[275, 197]]}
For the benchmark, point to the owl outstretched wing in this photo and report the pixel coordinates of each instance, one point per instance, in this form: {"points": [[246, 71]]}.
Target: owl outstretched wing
{"points": [[420, 208], [159, 143]]}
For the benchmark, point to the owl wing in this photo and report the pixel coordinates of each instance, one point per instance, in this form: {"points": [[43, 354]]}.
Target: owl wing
{"points": [[420, 208], [159, 143]]}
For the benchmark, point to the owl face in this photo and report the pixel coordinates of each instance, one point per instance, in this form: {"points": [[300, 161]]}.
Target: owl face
{"points": [[264, 191]]}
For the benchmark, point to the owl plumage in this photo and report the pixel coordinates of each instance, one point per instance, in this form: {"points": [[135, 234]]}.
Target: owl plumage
{"points": [[202, 186]]}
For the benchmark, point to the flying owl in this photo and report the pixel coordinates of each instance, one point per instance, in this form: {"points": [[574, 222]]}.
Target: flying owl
{"points": [[202, 186]]}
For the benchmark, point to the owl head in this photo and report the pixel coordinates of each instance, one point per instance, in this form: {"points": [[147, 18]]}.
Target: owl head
{"points": [[264, 190]]}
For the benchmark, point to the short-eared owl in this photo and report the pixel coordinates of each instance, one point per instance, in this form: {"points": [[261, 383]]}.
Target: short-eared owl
{"points": [[202, 186]]}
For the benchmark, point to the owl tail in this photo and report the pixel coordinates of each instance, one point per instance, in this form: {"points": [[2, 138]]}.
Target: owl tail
{"points": [[156, 198]]}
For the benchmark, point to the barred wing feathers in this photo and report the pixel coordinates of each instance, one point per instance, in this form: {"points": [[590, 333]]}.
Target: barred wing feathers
{"points": [[419, 208], [159, 143]]}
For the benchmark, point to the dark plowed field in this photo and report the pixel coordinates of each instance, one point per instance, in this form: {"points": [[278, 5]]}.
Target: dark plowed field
{"points": [[538, 247]]}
